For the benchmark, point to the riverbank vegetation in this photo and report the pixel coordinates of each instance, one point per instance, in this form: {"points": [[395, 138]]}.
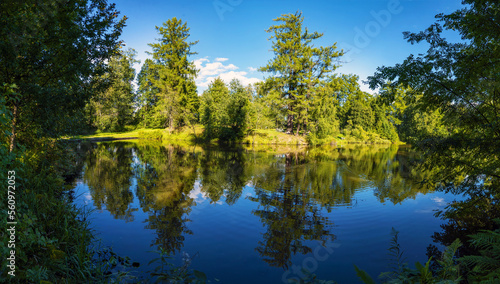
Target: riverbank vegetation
{"points": [[52, 56], [64, 72], [311, 103]]}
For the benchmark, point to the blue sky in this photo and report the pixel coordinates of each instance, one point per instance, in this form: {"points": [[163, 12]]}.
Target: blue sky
{"points": [[233, 42]]}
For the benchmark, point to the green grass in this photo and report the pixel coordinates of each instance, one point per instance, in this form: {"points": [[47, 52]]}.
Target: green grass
{"points": [[254, 137], [125, 134], [271, 136]]}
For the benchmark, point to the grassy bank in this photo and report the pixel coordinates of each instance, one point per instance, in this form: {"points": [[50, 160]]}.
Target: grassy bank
{"points": [[254, 137]]}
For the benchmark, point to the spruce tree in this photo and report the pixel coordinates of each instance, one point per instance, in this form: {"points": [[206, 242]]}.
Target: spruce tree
{"points": [[173, 74], [297, 68]]}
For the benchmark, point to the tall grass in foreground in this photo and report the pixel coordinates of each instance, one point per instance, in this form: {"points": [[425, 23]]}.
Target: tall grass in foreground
{"points": [[53, 241]]}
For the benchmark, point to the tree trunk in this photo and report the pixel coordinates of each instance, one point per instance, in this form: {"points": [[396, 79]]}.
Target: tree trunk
{"points": [[289, 122], [13, 129], [170, 122], [298, 128]]}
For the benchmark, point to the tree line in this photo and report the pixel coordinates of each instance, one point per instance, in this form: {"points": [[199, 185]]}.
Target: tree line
{"points": [[301, 95]]}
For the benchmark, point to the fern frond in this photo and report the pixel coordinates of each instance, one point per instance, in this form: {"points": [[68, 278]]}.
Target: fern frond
{"points": [[486, 239], [365, 277], [449, 269]]}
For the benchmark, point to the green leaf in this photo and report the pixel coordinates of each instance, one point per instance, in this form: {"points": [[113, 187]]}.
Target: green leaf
{"points": [[365, 277]]}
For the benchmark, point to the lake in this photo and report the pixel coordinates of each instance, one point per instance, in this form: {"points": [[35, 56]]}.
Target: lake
{"points": [[259, 215]]}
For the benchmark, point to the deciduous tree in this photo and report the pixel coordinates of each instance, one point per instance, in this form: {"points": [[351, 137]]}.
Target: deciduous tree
{"points": [[113, 108], [54, 53]]}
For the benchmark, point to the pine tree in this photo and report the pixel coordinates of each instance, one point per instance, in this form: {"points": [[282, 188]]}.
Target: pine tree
{"points": [[173, 74], [297, 68]]}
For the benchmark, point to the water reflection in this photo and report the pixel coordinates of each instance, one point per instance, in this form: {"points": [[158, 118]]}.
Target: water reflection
{"points": [[291, 189], [165, 177], [108, 174], [222, 174], [287, 208]]}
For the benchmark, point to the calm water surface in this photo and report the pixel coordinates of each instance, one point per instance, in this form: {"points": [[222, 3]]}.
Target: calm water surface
{"points": [[248, 216]]}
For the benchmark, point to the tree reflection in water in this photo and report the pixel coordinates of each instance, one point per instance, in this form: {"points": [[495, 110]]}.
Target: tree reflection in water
{"points": [[108, 174], [288, 211], [165, 176], [292, 187]]}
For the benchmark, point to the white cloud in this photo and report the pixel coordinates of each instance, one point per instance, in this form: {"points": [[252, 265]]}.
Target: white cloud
{"points": [[199, 62], [227, 72], [197, 194], [211, 69], [241, 75], [252, 69], [439, 200]]}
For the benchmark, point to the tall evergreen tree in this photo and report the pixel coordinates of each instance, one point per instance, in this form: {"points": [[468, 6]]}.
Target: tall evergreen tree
{"points": [[297, 68], [173, 74]]}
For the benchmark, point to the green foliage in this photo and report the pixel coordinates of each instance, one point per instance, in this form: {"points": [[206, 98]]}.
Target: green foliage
{"points": [[396, 254], [382, 125], [213, 108], [448, 262], [147, 99], [238, 109], [485, 267], [448, 271], [297, 69], [167, 90], [225, 111], [360, 113], [451, 110], [267, 137], [54, 52], [113, 108], [459, 81], [404, 109], [365, 277], [263, 113], [54, 241], [151, 135], [323, 121]]}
